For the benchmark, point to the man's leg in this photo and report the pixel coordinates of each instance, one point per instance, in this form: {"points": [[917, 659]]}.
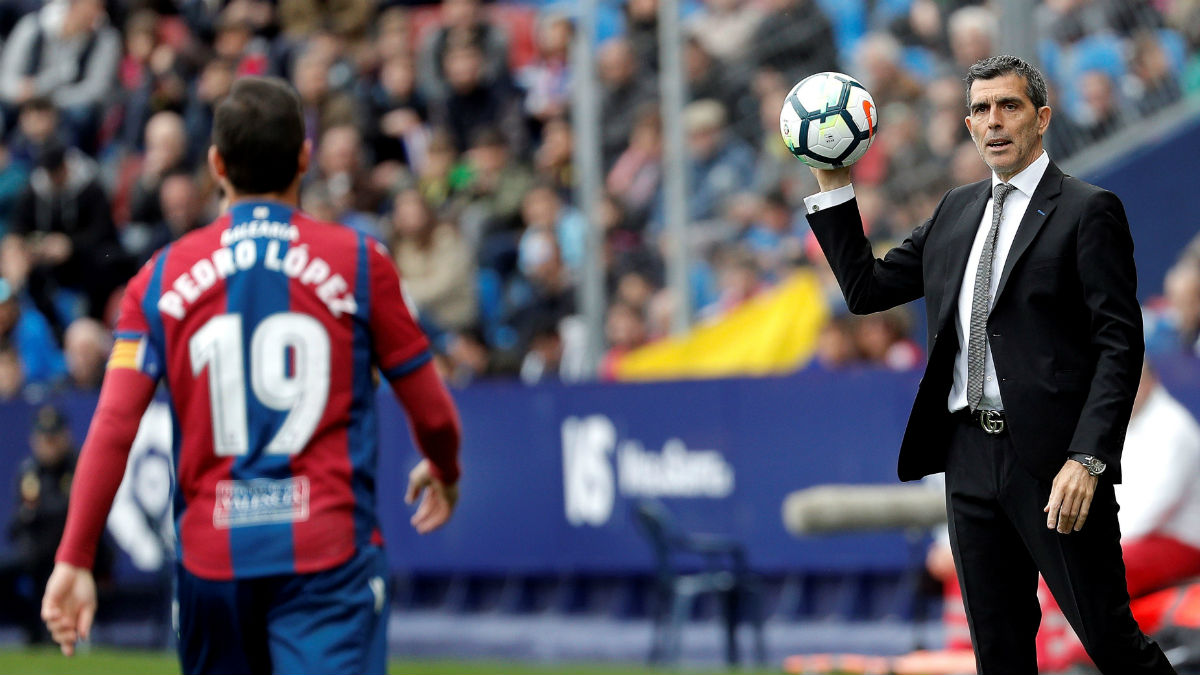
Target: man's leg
{"points": [[997, 577], [333, 621], [221, 625], [1085, 573]]}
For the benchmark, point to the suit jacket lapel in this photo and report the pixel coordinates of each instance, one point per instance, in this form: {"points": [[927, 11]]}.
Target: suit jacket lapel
{"points": [[958, 249], [1041, 205]]}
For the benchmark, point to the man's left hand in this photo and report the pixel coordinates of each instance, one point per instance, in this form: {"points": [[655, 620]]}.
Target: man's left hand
{"points": [[1070, 498]]}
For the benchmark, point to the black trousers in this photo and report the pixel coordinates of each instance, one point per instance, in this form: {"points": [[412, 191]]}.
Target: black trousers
{"points": [[1000, 541]]}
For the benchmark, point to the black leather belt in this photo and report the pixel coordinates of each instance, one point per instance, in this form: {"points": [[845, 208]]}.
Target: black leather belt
{"points": [[991, 421]]}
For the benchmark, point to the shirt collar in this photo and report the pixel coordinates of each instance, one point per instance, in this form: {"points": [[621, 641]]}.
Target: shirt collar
{"points": [[1027, 181]]}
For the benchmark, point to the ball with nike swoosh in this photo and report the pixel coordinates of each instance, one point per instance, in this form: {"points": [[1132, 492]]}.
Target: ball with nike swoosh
{"points": [[828, 120]]}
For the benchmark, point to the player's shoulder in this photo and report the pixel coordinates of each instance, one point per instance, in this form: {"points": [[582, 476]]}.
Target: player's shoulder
{"points": [[331, 237]]}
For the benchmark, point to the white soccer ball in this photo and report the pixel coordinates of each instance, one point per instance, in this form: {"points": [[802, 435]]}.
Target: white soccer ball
{"points": [[828, 120]]}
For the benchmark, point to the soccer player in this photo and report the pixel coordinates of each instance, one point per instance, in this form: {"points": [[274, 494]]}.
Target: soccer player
{"points": [[266, 326]]}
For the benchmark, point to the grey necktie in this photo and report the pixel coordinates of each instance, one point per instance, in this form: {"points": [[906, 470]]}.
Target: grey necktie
{"points": [[977, 343]]}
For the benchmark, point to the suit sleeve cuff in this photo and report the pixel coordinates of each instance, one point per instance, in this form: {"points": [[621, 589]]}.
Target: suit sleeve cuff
{"points": [[826, 200]]}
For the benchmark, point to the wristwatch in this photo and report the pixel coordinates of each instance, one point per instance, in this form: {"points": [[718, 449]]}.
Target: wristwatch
{"points": [[1094, 465]]}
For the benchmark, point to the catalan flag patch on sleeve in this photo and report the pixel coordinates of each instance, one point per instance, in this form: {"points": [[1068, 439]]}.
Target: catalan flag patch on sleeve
{"points": [[127, 353], [136, 352]]}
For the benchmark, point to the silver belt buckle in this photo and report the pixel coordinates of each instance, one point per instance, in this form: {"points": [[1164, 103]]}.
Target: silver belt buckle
{"points": [[991, 421]]}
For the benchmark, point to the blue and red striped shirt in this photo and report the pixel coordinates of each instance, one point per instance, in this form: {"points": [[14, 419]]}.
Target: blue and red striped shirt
{"points": [[266, 326]]}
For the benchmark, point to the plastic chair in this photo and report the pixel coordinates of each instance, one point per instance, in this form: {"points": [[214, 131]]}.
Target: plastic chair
{"points": [[724, 572]]}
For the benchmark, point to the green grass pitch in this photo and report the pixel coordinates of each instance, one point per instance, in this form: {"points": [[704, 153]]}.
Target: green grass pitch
{"points": [[102, 661]]}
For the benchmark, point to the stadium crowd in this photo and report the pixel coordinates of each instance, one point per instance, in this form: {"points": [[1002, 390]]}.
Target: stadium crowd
{"points": [[444, 131]]}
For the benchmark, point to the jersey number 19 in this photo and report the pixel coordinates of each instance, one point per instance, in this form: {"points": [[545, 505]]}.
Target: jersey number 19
{"points": [[279, 340]]}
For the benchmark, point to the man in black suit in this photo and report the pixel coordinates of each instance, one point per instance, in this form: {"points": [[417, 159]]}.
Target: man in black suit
{"points": [[1035, 349]]}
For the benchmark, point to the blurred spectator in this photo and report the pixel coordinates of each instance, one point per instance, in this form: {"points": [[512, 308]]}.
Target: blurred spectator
{"points": [[944, 129], [546, 81], [966, 167], [397, 114], [624, 87], [66, 51], [721, 164], [234, 41], [545, 294], [466, 358], [1159, 516], [772, 236], [1151, 84], [323, 107], [41, 491], [724, 28], [28, 339], [553, 161], [63, 237], [708, 78], [203, 16], [182, 211], [348, 18], [152, 74], [885, 339], [972, 32], [166, 151], [836, 346], [624, 331], [544, 213], [922, 26], [12, 375], [737, 281], [212, 85], [13, 176], [494, 184], [883, 73], [543, 360], [442, 177], [1102, 116], [86, 346], [464, 22], [635, 177], [796, 39], [641, 28], [1176, 329], [472, 103], [341, 170], [436, 264], [37, 124]]}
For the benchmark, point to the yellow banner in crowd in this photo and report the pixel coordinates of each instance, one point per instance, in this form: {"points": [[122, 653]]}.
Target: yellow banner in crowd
{"points": [[773, 333]]}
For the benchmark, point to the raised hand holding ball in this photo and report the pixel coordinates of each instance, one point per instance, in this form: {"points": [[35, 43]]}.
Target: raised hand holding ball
{"points": [[828, 121]]}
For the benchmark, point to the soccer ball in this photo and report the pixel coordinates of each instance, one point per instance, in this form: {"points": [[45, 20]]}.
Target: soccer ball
{"points": [[828, 120]]}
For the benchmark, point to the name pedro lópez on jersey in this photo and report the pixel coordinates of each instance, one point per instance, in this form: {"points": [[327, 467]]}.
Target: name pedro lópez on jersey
{"points": [[240, 250]]}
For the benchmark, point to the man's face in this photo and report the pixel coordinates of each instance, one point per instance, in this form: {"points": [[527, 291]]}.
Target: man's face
{"points": [[49, 448], [1006, 126]]}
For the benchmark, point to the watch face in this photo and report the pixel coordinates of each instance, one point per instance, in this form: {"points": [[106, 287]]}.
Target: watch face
{"points": [[1096, 465]]}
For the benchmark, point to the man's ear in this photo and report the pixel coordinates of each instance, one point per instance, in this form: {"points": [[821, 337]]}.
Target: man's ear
{"points": [[304, 158], [1044, 114], [216, 163]]}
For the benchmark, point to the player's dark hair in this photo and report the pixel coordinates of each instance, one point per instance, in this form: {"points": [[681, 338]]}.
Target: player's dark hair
{"points": [[259, 130], [999, 66]]}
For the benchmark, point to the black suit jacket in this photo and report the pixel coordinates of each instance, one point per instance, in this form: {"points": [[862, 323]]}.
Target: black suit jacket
{"points": [[1065, 330]]}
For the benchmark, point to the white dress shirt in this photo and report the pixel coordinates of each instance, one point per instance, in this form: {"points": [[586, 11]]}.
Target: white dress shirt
{"points": [[1014, 209], [1158, 493]]}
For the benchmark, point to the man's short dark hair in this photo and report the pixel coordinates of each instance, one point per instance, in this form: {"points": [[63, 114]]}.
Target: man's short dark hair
{"points": [[999, 66], [259, 130]]}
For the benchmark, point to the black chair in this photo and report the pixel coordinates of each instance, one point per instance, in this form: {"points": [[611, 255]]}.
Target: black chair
{"points": [[722, 570]]}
